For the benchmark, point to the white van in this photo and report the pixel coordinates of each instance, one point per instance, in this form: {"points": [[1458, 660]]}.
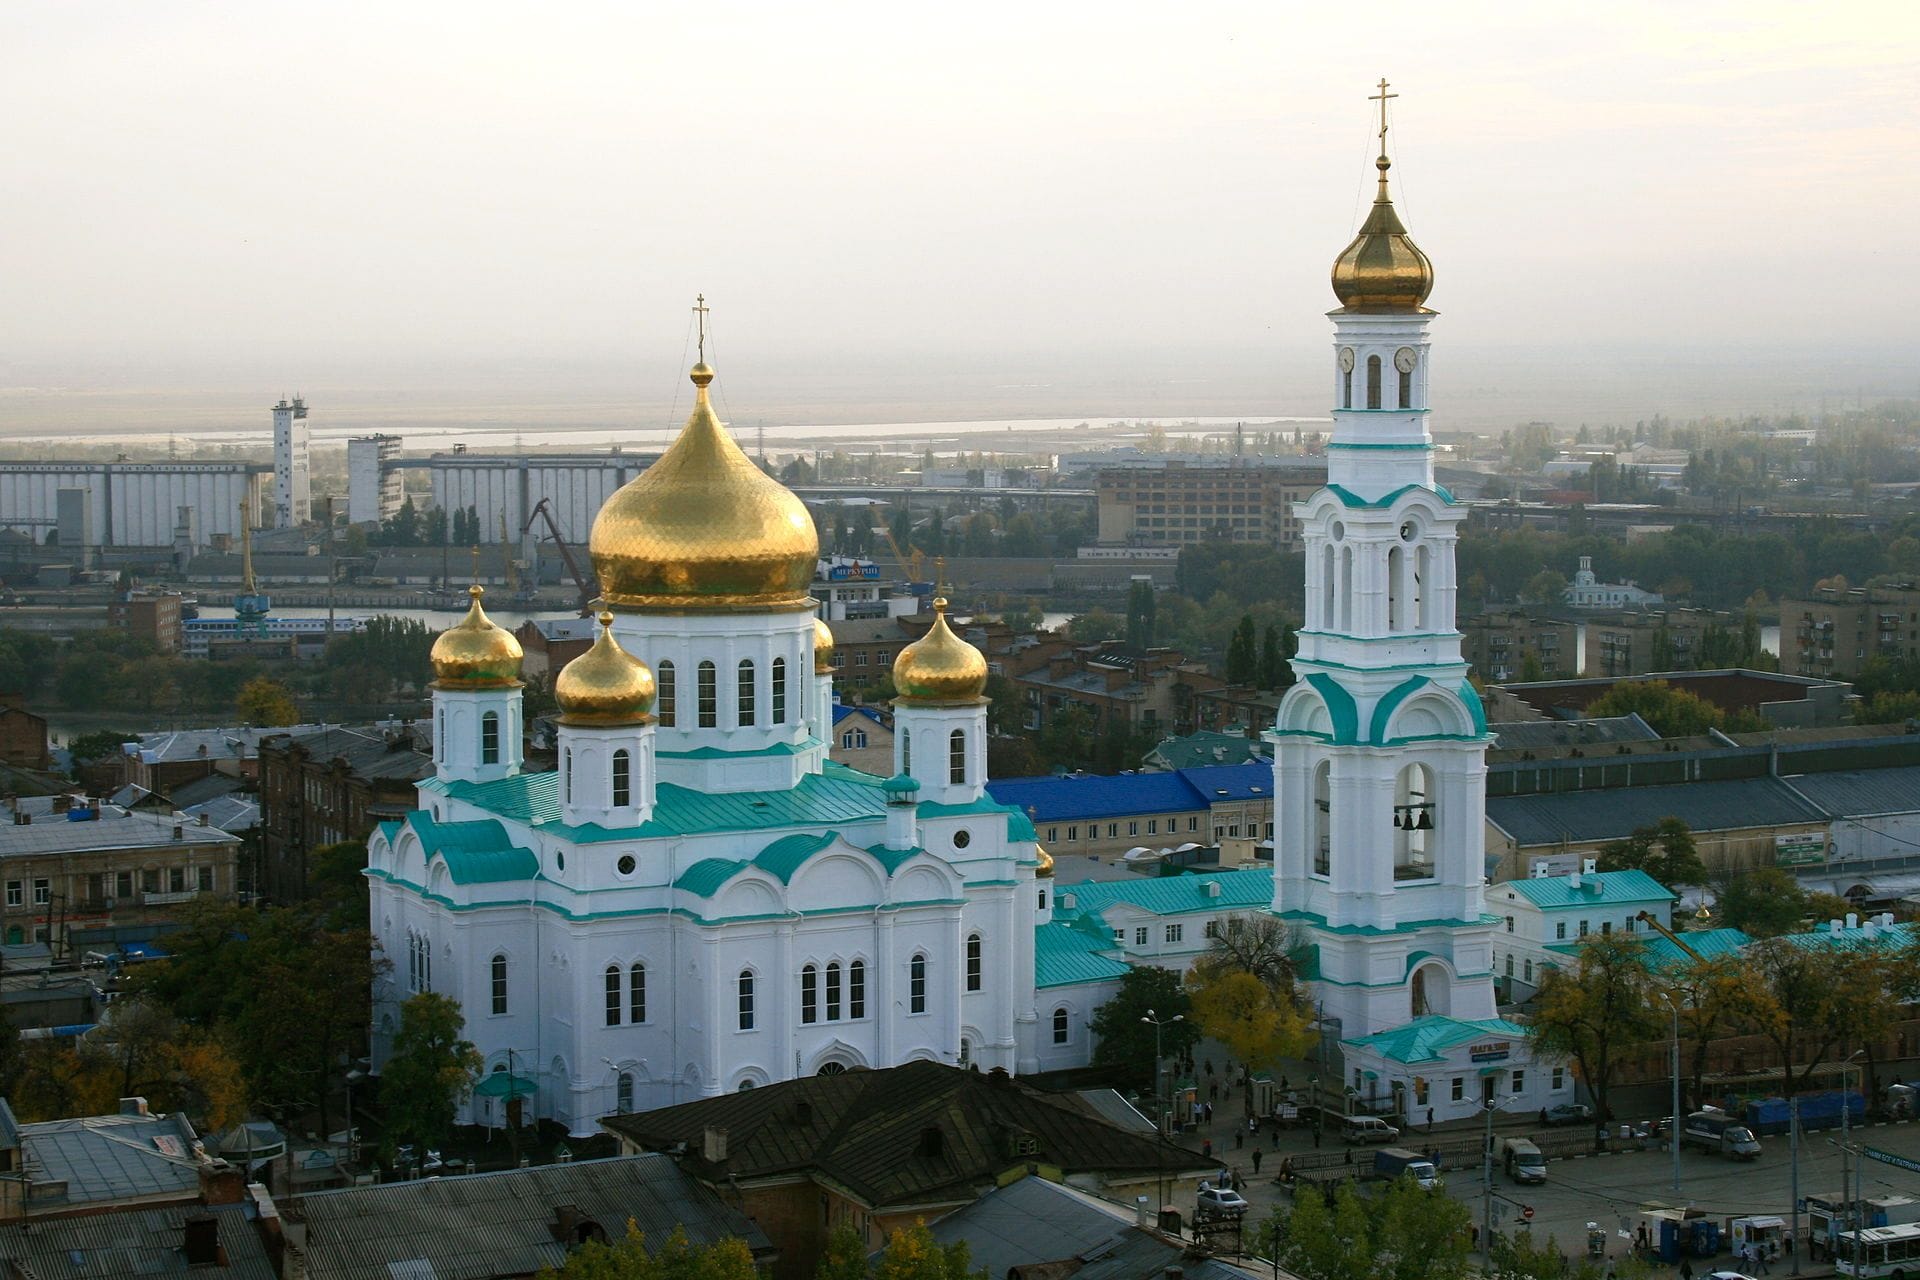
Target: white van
{"points": [[1368, 1129]]}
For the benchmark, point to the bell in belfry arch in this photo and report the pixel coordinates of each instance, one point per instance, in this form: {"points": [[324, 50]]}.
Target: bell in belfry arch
{"points": [[1426, 820], [1397, 824]]}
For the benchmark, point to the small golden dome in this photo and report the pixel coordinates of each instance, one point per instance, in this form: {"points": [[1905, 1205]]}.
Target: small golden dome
{"points": [[940, 666], [604, 685], [1045, 870], [475, 653], [822, 648], [704, 529], [1383, 269]]}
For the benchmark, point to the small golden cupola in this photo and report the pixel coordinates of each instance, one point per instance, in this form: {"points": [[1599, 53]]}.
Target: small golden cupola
{"points": [[476, 653], [1383, 269], [940, 667], [703, 529], [822, 648], [606, 685], [1045, 870]]}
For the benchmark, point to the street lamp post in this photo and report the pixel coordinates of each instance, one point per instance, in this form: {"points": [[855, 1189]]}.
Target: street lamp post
{"points": [[1673, 1134], [1850, 1167], [1165, 1099]]}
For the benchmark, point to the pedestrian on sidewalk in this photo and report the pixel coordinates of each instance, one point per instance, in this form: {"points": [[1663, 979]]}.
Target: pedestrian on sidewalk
{"points": [[1209, 1067], [1276, 1137], [1429, 1119], [1686, 1269], [1206, 1148], [1256, 1162], [1239, 1140]]}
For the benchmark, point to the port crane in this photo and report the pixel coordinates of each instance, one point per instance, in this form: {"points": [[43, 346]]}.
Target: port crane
{"points": [[587, 586]]}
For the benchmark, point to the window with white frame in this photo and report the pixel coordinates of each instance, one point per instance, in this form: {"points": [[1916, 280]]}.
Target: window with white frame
{"points": [[1061, 1026], [1519, 1079], [499, 976], [1459, 1088], [917, 983], [975, 963], [1140, 936], [1559, 1078], [743, 991], [1175, 931]]}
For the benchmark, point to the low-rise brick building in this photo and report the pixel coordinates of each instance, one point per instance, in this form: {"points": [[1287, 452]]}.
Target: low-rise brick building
{"points": [[23, 735], [323, 786]]}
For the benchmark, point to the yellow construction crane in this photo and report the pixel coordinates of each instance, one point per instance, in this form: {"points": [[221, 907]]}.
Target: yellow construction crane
{"points": [[1652, 922], [910, 565]]}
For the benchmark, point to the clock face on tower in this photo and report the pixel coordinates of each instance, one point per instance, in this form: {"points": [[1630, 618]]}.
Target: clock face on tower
{"points": [[1346, 359], [1403, 359]]}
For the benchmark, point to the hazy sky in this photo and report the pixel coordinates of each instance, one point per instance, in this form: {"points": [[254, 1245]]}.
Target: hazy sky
{"points": [[246, 193]]}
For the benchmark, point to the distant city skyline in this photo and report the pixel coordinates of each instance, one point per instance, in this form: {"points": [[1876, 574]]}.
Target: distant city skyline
{"points": [[896, 214]]}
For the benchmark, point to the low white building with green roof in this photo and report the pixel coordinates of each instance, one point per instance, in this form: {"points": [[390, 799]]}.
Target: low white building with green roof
{"points": [[1543, 916]]}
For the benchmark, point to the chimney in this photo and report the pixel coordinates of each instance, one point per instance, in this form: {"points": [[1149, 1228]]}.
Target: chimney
{"points": [[134, 1107], [932, 1142], [713, 1145], [179, 831], [201, 1240], [1066, 901], [266, 1215], [566, 1223], [1142, 1215], [1590, 865], [205, 818], [222, 1183], [1833, 926], [1853, 919], [1573, 880], [1000, 1078], [1541, 871]]}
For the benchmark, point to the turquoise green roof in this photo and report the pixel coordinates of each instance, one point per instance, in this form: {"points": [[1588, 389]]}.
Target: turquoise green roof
{"points": [[1423, 1039], [1069, 952], [1664, 956], [389, 829], [475, 852], [1174, 895], [835, 797], [1348, 498], [782, 859], [1599, 888]]}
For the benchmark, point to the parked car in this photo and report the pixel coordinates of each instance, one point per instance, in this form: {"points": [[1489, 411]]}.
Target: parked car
{"points": [[1567, 1113], [1218, 1202], [1368, 1129]]}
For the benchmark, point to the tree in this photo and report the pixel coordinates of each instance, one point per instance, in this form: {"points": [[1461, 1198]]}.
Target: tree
{"points": [[1329, 1242], [913, 1254], [1242, 659], [1666, 851], [1547, 587], [845, 1257], [99, 745], [678, 1259], [1599, 1008], [1272, 663], [1095, 626], [1404, 1233], [430, 1072], [1258, 1024], [1797, 997], [1673, 713], [1124, 1043], [1763, 902], [1257, 943], [1140, 611], [265, 701], [1713, 1000]]}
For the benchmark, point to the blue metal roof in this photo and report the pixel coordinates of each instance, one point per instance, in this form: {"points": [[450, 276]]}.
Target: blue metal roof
{"points": [[1077, 797], [1612, 888]]}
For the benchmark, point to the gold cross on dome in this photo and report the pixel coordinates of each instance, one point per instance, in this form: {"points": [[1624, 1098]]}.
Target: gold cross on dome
{"points": [[700, 314], [1381, 98]]}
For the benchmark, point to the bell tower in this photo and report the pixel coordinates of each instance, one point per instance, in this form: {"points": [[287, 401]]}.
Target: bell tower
{"points": [[1379, 748]]}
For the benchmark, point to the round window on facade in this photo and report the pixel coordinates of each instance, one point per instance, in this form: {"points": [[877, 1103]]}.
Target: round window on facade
{"points": [[1409, 531], [1339, 530], [962, 838], [626, 864], [559, 861]]}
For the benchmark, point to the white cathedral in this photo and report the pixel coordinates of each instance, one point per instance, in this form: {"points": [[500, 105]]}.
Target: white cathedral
{"points": [[699, 901]]}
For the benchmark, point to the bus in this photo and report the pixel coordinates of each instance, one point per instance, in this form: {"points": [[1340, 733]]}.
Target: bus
{"points": [[1892, 1252]]}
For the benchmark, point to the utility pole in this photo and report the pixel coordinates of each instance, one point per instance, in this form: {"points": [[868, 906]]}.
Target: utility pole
{"points": [[1486, 1193], [1164, 1100], [1793, 1143]]}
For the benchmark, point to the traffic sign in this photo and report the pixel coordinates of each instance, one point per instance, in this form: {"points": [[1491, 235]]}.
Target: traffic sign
{"points": [[1526, 1211]]}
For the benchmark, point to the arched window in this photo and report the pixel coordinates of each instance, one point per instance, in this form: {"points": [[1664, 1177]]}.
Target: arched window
{"points": [[1346, 589], [1060, 1025], [833, 992], [1327, 585], [744, 987], [623, 1093], [906, 751], [974, 961], [490, 738], [1396, 590], [566, 778], [709, 696], [1373, 382], [957, 756], [809, 994], [779, 690], [637, 993], [1346, 388], [613, 995], [917, 983], [1406, 388], [746, 689], [1422, 595], [413, 962], [1323, 819], [499, 984], [857, 989], [440, 733], [622, 778], [1413, 817], [426, 964], [663, 701]]}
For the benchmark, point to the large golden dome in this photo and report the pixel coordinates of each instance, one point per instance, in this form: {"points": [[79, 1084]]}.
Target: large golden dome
{"points": [[939, 667], [822, 648], [476, 653], [704, 529], [1383, 269], [606, 685]]}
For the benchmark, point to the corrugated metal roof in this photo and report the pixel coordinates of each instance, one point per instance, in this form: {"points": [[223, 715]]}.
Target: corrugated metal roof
{"points": [[497, 1224], [1613, 888], [1580, 817], [475, 852], [139, 1243], [1545, 735], [115, 828], [112, 1157], [1861, 793], [1068, 953], [1174, 895]]}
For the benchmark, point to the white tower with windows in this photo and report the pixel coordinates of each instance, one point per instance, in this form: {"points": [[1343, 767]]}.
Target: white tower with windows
{"points": [[292, 468], [1379, 748], [606, 735], [476, 699], [940, 717]]}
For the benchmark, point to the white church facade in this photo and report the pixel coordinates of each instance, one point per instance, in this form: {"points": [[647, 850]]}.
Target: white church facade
{"points": [[699, 901]]}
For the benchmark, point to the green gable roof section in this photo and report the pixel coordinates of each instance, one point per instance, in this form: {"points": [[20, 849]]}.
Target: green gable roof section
{"points": [[1598, 888], [782, 860], [475, 852], [1073, 951], [1665, 957], [1340, 706], [1425, 1039], [783, 857], [1251, 889], [707, 875], [1470, 696], [1383, 710], [1348, 498], [388, 830]]}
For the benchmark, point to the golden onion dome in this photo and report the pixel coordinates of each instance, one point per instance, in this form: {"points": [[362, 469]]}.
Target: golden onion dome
{"points": [[940, 666], [476, 653], [604, 685], [1383, 269], [704, 529], [822, 648], [1045, 870]]}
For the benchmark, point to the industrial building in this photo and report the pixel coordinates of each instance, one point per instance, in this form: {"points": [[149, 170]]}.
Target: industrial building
{"points": [[292, 465], [127, 504], [374, 488], [574, 487], [1240, 499]]}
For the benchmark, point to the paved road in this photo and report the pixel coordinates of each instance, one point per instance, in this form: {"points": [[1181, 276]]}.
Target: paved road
{"points": [[1607, 1188]]}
